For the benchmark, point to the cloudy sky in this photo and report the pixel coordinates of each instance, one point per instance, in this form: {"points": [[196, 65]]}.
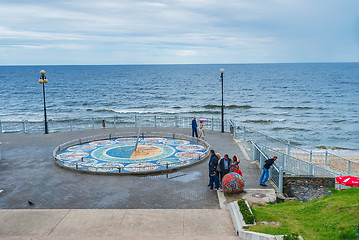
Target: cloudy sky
{"points": [[177, 31]]}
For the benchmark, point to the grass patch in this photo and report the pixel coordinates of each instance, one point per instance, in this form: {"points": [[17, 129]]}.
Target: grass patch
{"points": [[331, 217]]}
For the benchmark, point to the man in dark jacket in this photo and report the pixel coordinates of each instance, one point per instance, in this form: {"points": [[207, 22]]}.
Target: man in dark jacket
{"points": [[224, 165], [265, 172], [194, 127], [212, 167]]}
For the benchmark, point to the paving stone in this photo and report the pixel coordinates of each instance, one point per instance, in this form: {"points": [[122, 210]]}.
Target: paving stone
{"points": [[27, 172]]}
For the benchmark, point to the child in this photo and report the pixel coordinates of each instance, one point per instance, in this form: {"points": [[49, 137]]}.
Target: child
{"points": [[236, 170]]}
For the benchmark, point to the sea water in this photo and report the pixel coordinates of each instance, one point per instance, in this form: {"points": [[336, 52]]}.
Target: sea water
{"points": [[310, 104]]}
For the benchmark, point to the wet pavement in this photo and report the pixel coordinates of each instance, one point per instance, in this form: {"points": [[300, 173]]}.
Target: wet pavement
{"points": [[28, 173]]}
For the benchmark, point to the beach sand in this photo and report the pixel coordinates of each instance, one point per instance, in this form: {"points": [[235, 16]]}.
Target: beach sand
{"points": [[338, 163]]}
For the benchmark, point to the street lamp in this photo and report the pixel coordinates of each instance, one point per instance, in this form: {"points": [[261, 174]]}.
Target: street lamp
{"points": [[42, 81], [222, 71]]}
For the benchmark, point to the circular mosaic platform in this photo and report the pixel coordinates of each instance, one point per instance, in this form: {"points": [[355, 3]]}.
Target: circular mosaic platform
{"points": [[119, 155]]}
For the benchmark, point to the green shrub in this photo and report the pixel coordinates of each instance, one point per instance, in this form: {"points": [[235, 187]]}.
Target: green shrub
{"points": [[246, 213], [292, 236]]}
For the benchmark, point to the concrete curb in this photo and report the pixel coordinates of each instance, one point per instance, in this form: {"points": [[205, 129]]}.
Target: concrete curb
{"points": [[221, 200]]}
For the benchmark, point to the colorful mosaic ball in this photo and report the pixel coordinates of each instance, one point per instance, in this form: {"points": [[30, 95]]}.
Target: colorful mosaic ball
{"points": [[232, 183]]}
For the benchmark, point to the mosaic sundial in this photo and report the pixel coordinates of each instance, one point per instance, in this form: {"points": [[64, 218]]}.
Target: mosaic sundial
{"points": [[120, 155]]}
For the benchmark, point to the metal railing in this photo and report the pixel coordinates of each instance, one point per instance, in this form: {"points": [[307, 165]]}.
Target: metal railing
{"points": [[300, 161], [58, 125], [81, 164], [275, 173]]}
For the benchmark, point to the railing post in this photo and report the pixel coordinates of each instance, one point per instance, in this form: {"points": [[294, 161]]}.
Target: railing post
{"points": [[280, 180], [261, 160], [283, 159], [114, 122], [234, 131], [23, 126], [135, 121], [310, 163], [326, 157], [155, 121], [0, 128], [103, 123], [71, 125], [176, 124], [93, 123], [212, 124], [244, 134], [349, 167], [288, 150], [255, 154]]}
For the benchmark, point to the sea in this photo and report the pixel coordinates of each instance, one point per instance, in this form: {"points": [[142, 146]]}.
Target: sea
{"points": [[310, 104]]}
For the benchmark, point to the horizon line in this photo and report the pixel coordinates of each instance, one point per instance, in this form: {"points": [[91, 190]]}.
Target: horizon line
{"points": [[166, 64]]}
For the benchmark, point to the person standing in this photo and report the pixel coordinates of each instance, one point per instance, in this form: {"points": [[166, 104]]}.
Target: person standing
{"points": [[235, 161], [213, 177], [212, 167], [201, 130], [224, 165], [218, 167], [237, 170], [194, 127], [213, 160], [265, 172]]}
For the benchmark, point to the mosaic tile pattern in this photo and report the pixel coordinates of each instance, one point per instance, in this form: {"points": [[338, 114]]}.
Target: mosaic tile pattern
{"points": [[119, 155]]}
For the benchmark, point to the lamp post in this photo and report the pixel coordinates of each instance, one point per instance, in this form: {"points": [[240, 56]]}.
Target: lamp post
{"points": [[222, 71], [42, 81]]}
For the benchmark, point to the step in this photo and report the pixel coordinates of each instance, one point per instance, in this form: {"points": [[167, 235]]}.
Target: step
{"points": [[122, 238], [116, 224]]}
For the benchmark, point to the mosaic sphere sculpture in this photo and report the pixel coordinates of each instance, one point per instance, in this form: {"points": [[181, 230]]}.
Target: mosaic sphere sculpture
{"points": [[232, 183]]}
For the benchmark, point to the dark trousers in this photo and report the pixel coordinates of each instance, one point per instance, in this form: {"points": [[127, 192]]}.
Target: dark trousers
{"points": [[222, 173], [214, 178], [194, 131]]}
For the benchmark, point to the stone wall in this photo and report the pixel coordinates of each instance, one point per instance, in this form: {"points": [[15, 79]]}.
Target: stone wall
{"points": [[305, 181]]}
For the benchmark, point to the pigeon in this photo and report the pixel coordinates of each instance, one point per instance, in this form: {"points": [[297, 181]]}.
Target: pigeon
{"points": [[30, 203]]}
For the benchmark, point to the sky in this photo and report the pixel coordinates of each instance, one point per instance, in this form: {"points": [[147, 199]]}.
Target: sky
{"points": [[82, 32]]}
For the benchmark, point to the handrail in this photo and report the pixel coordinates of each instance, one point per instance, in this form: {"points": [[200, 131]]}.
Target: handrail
{"points": [[259, 149]]}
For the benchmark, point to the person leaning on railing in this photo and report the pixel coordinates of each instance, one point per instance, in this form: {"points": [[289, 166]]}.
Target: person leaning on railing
{"points": [[265, 172]]}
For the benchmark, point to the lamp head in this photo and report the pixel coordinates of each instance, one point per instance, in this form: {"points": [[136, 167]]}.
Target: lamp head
{"points": [[42, 72], [221, 70]]}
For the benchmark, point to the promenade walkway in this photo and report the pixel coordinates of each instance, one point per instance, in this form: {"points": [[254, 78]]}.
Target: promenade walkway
{"points": [[182, 199]]}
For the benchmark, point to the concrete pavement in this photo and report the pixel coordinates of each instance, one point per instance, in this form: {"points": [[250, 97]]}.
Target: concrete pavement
{"points": [[27, 172], [116, 224], [73, 205]]}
